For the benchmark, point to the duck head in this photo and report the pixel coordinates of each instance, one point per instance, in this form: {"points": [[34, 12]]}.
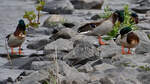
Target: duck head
{"points": [[134, 17], [21, 28]]}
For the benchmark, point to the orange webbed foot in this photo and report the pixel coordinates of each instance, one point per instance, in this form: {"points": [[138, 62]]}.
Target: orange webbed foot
{"points": [[100, 41], [123, 52], [13, 52], [20, 51], [129, 52]]}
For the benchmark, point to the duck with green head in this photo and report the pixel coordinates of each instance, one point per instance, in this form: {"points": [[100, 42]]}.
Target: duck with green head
{"points": [[17, 38], [100, 28], [127, 39]]}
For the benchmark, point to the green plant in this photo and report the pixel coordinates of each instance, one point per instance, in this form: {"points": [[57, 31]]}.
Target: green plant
{"points": [[118, 26], [145, 68], [107, 13], [32, 17]]}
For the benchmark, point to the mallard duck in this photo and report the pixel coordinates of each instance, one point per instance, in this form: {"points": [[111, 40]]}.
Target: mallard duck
{"points": [[99, 28], [17, 38], [127, 39]]}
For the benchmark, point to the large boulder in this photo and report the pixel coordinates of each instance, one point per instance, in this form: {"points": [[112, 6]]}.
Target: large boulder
{"points": [[59, 7], [59, 45], [87, 4]]}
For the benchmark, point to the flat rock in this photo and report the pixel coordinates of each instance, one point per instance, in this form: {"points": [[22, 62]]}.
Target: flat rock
{"points": [[60, 45]]}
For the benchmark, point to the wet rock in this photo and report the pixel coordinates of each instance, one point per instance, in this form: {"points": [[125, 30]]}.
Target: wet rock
{"points": [[87, 4], [143, 47], [60, 45], [65, 33], [144, 78], [59, 7], [82, 53]]}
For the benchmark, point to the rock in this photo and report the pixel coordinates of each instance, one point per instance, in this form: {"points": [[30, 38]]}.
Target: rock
{"points": [[65, 33], [35, 77], [143, 26], [103, 67], [3, 61], [143, 47], [70, 74], [147, 14], [69, 25], [59, 7], [39, 31], [95, 17], [86, 68], [141, 9], [20, 63], [109, 51], [90, 39], [9, 74], [143, 36], [54, 21], [106, 81], [37, 65], [60, 45], [95, 82], [87, 4], [144, 78], [38, 44], [82, 53]]}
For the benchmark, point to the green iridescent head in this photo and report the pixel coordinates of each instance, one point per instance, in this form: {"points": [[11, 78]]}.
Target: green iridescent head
{"points": [[22, 25]]}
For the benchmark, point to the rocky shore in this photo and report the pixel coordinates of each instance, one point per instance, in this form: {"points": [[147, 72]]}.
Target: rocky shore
{"points": [[56, 52]]}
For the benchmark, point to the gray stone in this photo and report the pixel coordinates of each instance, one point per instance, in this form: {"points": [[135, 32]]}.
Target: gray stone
{"points": [[35, 77], [38, 44], [144, 78], [82, 53], [143, 26], [106, 81], [20, 63], [65, 33], [3, 61], [70, 73], [12, 73], [54, 21], [37, 65], [87, 4], [59, 7], [143, 47], [143, 36], [86, 68], [141, 9], [60, 45], [103, 67]]}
